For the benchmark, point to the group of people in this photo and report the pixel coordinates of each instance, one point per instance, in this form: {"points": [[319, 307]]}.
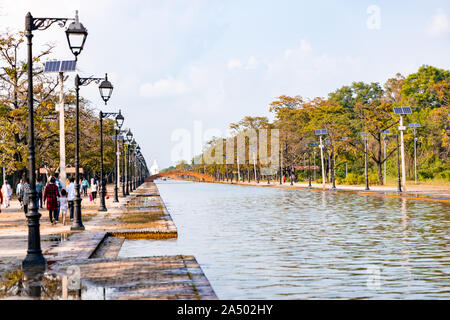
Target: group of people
{"points": [[58, 199]]}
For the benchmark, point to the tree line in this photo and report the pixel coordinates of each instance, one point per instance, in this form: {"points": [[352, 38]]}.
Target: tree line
{"points": [[346, 113], [14, 116]]}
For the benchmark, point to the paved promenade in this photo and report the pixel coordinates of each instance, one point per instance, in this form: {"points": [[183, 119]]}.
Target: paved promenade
{"points": [[93, 254]]}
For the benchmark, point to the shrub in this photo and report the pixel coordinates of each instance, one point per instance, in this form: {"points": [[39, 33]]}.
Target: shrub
{"points": [[353, 179]]}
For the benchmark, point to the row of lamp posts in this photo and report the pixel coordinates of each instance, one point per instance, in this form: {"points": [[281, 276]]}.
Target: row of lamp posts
{"points": [[76, 35]]}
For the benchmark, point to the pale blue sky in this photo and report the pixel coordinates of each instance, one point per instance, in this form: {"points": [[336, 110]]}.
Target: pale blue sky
{"points": [[175, 62]]}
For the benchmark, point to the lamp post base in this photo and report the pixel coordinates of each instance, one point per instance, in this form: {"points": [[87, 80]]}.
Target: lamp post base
{"points": [[116, 194], [77, 220], [35, 261], [77, 228], [102, 207]]}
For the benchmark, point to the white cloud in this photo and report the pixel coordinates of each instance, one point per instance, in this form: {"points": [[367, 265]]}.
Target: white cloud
{"points": [[252, 63], [163, 88], [234, 63], [440, 24], [305, 47]]}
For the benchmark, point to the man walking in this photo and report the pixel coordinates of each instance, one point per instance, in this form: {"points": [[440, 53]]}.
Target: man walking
{"points": [[39, 188], [19, 192]]}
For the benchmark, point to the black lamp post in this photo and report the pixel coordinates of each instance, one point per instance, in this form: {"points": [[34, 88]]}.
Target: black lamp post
{"points": [[333, 168], [34, 257], [138, 173], [366, 170], [119, 122], [133, 165], [129, 137], [399, 179], [77, 218], [123, 176]]}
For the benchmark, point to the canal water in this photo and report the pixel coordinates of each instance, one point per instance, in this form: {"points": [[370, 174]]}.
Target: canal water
{"points": [[267, 243]]}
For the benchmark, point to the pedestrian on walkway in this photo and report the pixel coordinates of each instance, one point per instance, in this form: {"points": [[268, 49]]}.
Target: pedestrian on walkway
{"points": [[60, 187], [39, 189], [6, 190], [71, 196], [94, 190], [51, 197], [85, 186], [26, 194], [19, 192], [62, 200]]}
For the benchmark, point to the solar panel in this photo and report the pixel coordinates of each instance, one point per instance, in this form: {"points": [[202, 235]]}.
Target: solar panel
{"points": [[60, 66], [314, 144], [68, 65], [398, 110], [52, 66], [321, 132], [386, 132], [407, 110], [414, 125], [402, 110]]}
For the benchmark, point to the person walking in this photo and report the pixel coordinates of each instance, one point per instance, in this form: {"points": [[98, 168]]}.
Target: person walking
{"points": [[39, 189], [62, 201], [60, 187], [19, 192], [51, 198], [6, 190], [85, 186], [71, 196], [94, 190], [26, 194]]}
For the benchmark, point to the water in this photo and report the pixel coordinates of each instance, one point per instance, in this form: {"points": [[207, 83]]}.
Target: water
{"points": [[266, 243]]}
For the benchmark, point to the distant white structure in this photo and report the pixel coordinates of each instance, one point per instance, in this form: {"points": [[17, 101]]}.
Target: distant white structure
{"points": [[154, 168]]}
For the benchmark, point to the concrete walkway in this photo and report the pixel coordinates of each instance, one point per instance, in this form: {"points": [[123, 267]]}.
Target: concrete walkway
{"points": [[93, 252]]}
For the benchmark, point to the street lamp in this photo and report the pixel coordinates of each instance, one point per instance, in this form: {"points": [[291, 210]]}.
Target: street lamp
{"points": [[399, 185], [138, 160], [320, 133], [119, 122], [129, 137], [77, 218], [385, 139], [414, 126], [106, 89], [34, 257], [133, 165], [76, 36], [402, 111], [365, 135]]}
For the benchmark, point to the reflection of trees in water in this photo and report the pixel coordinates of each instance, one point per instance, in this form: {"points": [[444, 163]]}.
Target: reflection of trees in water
{"points": [[17, 284]]}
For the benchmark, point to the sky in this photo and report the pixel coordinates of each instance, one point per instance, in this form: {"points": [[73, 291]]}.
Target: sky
{"points": [[184, 70]]}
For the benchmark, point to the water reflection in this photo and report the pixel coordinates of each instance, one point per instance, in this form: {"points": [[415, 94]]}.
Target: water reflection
{"points": [[265, 243]]}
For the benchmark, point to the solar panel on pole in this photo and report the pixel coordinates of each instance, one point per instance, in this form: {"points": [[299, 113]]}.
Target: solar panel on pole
{"points": [[398, 110], [68, 65], [402, 110], [60, 66], [407, 110]]}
